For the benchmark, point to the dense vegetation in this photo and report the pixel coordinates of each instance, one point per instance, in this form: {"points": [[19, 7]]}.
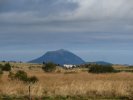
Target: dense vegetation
{"points": [[1, 72], [95, 68], [22, 76], [6, 67], [49, 67], [70, 84], [130, 66]]}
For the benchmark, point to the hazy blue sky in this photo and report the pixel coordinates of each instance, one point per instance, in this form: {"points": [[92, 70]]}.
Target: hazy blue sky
{"points": [[96, 30]]}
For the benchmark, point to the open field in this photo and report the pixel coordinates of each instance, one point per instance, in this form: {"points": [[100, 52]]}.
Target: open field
{"points": [[73, 84]]}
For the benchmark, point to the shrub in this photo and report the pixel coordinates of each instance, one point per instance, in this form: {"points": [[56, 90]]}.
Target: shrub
{"points": [[11, 75], [49, 67], [1, 66], [95, 68], [21, 75], [130, 66], [32, 79], [1, 72], [6, 67]]}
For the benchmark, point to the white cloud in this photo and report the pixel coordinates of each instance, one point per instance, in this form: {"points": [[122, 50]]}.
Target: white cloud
{"points": [[103, 9], [90, 10], [80, 24], [107, 16]]}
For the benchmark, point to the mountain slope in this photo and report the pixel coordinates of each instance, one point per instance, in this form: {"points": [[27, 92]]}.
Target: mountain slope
{"points": [[59, 57]]}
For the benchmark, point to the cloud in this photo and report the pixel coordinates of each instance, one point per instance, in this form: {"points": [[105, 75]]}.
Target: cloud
{"points": [[104, 9], [66, 24], [70, 15], [85, 20]]}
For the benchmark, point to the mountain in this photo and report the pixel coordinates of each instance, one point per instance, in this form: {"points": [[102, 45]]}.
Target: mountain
{"points": [[59, 57], [100, 63]]}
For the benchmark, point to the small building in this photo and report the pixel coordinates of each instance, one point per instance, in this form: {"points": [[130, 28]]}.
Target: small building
{"points": [[69, 66]]}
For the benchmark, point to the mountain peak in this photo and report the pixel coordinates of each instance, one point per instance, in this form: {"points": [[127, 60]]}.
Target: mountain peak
{"points": [[60, 56], [57, 51], [61, 50]]}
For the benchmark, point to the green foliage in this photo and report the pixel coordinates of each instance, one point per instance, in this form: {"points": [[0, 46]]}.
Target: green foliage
{"points": [[95, 68], [6, 67], [22, 76], [1, 72], [130, 66], [11, 75], [1, 66], [49, 67], [32, 79], [84, 65]]}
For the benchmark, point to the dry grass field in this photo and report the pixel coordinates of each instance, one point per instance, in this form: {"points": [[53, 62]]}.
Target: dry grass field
{"points": [[68, 85]]}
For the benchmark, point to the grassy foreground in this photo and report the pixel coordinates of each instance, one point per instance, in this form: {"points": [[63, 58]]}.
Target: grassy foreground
{"points": [[67, 85]]}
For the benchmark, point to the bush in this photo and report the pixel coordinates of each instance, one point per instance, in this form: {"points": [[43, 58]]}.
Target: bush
{"points": [[95, 68], [1, 72], [1, 67], [11, 75], [130, 66], [22, 76], [49, 67], [6, 67], [33, 79]]}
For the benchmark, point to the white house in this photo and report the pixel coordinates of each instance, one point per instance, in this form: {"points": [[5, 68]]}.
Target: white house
{"points": [[69, 66]]}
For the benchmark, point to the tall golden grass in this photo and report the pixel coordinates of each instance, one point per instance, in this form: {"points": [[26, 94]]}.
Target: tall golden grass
{"points": [[73, 84]]}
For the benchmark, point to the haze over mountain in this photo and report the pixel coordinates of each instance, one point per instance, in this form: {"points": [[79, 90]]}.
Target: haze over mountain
{"points": [[59, 57], [96, 30], [100, 63]]}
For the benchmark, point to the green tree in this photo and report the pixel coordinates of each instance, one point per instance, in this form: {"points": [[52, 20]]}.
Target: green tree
{"points": [[49, 67]]}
